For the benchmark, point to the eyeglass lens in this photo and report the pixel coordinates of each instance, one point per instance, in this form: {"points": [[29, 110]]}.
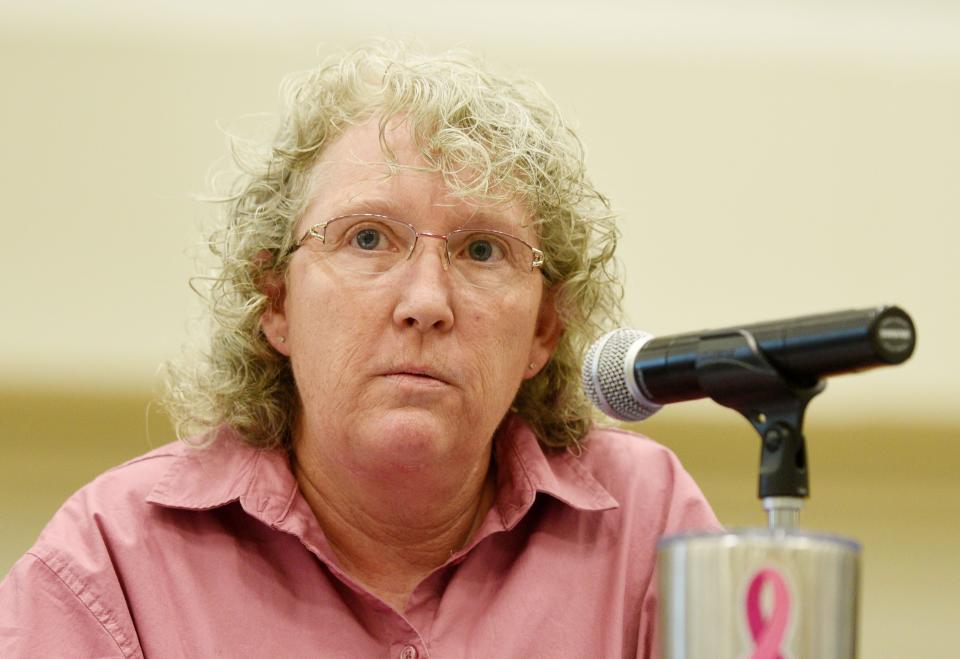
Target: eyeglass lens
{"points": [[374, 245]]}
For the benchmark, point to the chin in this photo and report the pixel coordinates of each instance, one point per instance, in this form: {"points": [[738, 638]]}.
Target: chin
{"points": [[408, 440]]}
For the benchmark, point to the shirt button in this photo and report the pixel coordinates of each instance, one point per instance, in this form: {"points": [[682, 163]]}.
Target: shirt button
{"points": [[408, 652]]}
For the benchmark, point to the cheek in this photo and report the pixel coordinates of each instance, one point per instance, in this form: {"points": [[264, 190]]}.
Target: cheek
{"points": [[329, 325], [318, 301], [503, 332]]}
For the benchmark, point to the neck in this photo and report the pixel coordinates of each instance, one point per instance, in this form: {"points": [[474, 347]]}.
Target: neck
{"points": [[391, 533]]}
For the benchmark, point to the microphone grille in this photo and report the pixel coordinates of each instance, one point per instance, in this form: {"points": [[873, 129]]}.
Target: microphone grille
{"points": [[608, 378]]}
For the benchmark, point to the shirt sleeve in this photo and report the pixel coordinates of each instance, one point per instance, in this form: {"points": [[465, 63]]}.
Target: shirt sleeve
{"points": [[41, 615]]}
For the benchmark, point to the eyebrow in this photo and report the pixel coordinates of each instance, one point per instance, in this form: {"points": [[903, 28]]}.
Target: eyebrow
{"points": [[373, 205], [478, 218]]}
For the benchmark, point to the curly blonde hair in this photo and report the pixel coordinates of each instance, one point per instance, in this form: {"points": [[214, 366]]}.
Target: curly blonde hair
{"points": [[491, 138]]}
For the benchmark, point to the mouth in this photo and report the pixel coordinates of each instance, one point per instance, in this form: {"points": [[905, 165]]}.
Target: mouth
{"points": [[417, 374]]}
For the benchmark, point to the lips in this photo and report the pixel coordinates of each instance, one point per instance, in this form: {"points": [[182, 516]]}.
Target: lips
{"points": [[426, 373]]}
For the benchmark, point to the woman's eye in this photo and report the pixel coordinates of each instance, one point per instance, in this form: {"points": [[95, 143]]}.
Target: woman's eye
{"points": [[484, 250], [480, 250], [367, 239]]}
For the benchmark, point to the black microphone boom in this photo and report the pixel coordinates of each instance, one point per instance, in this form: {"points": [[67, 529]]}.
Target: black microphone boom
{"points": [[629, 374], [802, 350]]}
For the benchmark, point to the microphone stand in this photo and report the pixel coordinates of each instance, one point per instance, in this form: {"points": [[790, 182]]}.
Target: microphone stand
{"points": [[767, 593]]}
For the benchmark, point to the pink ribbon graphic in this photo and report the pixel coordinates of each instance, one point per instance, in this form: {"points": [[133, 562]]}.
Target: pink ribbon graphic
{"points": [[768, 633]]}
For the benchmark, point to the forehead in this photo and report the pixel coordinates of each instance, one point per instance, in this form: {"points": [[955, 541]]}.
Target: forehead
{"points": [[353, 175]]}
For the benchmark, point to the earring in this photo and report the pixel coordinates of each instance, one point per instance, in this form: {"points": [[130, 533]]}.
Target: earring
{"points": [[531, 366], [282, 339]]}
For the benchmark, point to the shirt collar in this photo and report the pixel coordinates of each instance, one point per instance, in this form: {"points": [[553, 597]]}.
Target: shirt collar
{"points": [[524, 469], [229, 470], [225, 470]]}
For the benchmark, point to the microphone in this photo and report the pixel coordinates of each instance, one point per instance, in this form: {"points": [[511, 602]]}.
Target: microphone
{"points": [[630, 375]]}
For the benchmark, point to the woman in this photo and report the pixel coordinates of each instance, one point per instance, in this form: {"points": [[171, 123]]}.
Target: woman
{"points": [[388, 452]]}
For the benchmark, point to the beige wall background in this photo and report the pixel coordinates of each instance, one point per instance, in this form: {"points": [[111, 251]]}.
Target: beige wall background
{"points": [[768, 159]]}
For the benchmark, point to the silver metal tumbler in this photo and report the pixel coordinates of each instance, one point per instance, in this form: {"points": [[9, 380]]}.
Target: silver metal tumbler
{"points": [[758, 594]]}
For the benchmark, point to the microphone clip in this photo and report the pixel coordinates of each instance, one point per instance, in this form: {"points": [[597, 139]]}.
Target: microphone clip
{"points": [[731, 369]]}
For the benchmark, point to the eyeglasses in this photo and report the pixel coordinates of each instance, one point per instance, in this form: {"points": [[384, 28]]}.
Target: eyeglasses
{"points": [[373, 244]]}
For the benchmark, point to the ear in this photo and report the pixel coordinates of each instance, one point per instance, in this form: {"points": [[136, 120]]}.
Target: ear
{"points": [[273, 321], [546, 335]]}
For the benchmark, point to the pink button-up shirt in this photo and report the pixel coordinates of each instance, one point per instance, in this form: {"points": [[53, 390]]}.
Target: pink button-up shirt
{"points": [[215, 553]]}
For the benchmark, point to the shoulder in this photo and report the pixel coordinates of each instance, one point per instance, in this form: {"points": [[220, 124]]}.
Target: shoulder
{"points": [[121, 489], [621, 458], [646, 478], [72, 574], [149, 494], [606, 444], [113, 502]]}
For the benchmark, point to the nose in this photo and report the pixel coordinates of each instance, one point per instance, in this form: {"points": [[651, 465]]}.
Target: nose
{"points": [[425, 301]]}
